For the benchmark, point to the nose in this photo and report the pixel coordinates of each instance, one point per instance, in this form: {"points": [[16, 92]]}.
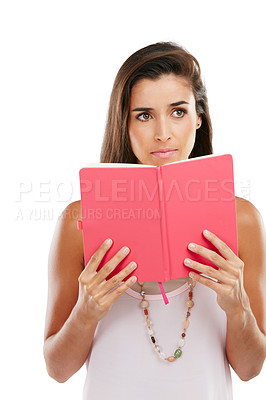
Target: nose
{"points": [[162, 131]]}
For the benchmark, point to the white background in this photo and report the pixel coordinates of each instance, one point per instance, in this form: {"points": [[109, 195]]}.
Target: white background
{"points": [[58, 63]]}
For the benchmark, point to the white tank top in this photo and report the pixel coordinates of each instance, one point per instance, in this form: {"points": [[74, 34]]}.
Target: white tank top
{"points": [[123, 364]]}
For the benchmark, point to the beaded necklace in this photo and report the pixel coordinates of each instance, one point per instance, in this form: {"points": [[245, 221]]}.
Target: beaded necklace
{"points": [[145, 305]]}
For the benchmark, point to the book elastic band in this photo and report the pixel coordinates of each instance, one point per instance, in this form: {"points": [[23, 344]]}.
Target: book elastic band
{"points": [[79, 225]]}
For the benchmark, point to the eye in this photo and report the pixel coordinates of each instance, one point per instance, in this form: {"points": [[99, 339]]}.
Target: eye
{"points": [[145, 116], [179, 112]]}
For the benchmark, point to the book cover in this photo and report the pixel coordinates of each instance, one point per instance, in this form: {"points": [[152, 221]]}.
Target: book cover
{"points": [[157, 211]]}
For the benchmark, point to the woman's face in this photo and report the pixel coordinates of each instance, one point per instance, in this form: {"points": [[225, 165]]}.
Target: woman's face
{"points": [[162, 116]]}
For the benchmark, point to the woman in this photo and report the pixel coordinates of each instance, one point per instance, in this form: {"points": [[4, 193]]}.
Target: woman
{"points": [[158, 114]]}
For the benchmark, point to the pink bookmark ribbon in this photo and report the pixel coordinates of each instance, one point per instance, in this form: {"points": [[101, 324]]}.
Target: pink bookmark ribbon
{"points": [[163, 293]]}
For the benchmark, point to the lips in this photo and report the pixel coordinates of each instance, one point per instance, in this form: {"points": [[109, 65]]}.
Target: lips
{"points": [[164, 153], [163, 150]]}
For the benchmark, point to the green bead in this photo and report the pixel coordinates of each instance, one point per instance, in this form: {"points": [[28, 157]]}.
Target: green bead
{"points": [[178, 353]]}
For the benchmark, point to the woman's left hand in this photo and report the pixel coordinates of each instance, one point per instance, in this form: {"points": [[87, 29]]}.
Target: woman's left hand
{"points": [[231, 295]]}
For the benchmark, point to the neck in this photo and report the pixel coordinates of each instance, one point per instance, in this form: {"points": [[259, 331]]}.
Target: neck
{"points": [[153, 287]]}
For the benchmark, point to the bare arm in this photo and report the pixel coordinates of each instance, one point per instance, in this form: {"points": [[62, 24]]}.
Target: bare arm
{"points": [[77, 298], [67, 339], [246, 329], [66, 351]]}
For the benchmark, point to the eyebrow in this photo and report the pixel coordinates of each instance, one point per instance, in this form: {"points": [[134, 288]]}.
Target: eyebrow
{"points": [[178, 103]]}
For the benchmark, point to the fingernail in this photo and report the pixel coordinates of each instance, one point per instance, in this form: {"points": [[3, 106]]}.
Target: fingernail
{"points": [[108, 241], [187, 261], [192, 246], [133, 265], [125, 250], [133, 279]]}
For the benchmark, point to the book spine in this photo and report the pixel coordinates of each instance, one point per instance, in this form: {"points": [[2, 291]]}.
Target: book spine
{"points": [[163, 226]]}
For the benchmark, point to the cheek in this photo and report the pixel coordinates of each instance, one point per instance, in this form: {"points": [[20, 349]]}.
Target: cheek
{"points": [[189, 131], [188, 136], [138, 146], [135, 137], [190, 126]]}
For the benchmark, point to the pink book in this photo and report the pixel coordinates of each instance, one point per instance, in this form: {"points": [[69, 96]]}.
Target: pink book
{"points": [[157, 211]]}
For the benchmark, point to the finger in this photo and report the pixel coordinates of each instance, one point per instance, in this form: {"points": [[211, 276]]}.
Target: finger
{"points": [[111, 264], [95, 260], [116, 279], [221, 290], [121, 289], [205, 281], [211, 272], [211, 255], [225, 250]]}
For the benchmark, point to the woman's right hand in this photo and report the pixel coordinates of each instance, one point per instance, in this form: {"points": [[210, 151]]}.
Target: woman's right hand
{"points": [[94, 300]]}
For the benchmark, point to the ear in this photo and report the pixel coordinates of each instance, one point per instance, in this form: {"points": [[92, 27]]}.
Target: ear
{"points": [[199, 121]]}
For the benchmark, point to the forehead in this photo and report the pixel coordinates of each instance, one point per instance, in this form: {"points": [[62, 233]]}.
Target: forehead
{"points": [[167, 88]]}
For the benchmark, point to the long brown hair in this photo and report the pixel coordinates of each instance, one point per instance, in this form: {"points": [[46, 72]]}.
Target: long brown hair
{"points": [[151, 62]]}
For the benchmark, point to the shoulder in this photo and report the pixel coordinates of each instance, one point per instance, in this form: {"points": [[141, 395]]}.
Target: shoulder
{"points": [[247, 214], [250, 226], [71, 237], [72, 212], [66, 263]]}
